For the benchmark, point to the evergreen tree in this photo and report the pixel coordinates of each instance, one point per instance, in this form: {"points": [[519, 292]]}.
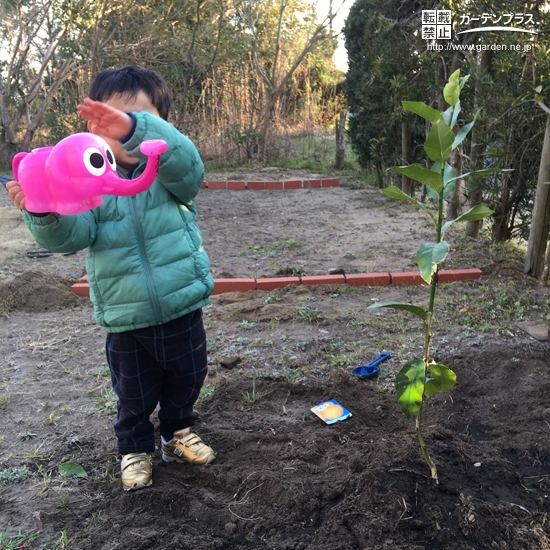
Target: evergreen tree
{"points": [[385, 68]]}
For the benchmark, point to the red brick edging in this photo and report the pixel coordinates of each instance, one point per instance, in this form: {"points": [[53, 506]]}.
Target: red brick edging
{"points": [[355, 279], [261, 185]]}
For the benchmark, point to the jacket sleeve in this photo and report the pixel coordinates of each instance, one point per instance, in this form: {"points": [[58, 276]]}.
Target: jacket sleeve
{"points": [[62, 233], [181, 167]]}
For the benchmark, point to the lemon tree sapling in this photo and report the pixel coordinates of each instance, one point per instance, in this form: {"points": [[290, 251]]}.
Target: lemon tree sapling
{"points": [[421, 377]]}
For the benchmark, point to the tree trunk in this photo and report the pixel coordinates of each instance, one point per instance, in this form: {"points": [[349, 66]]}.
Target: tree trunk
{"points": [[546, 270], [538, 234], [501, 231], [407, 185], [340, 145], [267, 119], [501, 218], [379, 173], [453, 203], [476, 191], [280, 73]]}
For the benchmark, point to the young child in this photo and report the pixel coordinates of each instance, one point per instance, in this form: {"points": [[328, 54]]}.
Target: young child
{"points": [[148, 271]]}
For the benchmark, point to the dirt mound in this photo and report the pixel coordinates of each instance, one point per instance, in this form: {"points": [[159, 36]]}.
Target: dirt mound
{"points": [[34, 292], [246, 306]]}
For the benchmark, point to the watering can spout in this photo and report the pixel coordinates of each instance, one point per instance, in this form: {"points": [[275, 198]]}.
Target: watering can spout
{"points": [[114, 185], [71, 177]]}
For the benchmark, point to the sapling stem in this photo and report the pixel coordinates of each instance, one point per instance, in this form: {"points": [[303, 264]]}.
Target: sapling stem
{"points": [[423, 447], [427, 341]]}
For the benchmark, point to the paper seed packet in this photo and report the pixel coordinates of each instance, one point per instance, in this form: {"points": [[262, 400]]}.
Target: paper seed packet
{"points": [[330, 411]]}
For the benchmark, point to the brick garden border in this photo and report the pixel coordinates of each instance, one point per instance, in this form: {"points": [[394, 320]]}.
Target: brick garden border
{"points": [[261, 185], [81, 288], [221, 286]]}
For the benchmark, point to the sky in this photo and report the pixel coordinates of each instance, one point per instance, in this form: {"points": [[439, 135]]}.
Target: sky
{"points": [[341, 56]]}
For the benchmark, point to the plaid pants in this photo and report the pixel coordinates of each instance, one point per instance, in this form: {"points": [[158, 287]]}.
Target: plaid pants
{"points": [[164, 364]]}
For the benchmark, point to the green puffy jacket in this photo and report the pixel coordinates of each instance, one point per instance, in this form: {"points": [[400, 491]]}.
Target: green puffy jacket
{"points": [[146, 262]]}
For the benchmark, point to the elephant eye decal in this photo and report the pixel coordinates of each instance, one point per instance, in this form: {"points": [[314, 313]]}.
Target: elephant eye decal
{"points": [[94, 161], [110, 157]]}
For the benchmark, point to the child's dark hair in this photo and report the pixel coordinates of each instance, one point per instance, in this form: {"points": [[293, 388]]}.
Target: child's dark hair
{"points": [[131, 80]]}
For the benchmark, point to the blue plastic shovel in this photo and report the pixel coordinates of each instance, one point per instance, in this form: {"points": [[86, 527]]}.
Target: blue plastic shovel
{"points": [[370, 370]]}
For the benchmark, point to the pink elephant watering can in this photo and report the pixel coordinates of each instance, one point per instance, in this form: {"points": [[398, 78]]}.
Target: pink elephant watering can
{"points": [[70, 177]]}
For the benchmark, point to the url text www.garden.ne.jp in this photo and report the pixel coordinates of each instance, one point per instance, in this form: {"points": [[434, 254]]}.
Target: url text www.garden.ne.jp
{"points": [[450, 46]]}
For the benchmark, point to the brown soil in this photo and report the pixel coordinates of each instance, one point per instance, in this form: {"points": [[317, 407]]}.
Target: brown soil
{"points": [[34, 291], [282, 478]]}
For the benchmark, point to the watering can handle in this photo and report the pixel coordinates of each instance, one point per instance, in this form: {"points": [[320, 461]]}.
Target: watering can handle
{"points": [[15, 164]]}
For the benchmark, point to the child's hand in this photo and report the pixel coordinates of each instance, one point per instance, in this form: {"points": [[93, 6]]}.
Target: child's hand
{"points": [[16, 194], [105, 120]]}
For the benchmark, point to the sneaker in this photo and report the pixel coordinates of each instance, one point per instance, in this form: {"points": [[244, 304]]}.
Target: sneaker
{"points": [[137, 471], [187, 446]]}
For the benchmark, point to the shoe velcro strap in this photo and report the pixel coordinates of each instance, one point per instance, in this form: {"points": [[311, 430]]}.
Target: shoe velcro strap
{"points": [[191, 439], [132, 458]]}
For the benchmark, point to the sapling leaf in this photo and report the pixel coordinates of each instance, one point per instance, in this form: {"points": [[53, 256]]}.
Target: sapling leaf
{"points": [[447, 115], [451, 91], [449, 179], [463, 80], [418, 173], [448, 173], [483, 172], [396, 193], [409, 386], [440, 379], [68, 469], [428, 257], [439, 142], [478, 212], [449, 190], [417, 310], [456, 111], [462, 133], [421, 109], [486, 171], [432, 194]]}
